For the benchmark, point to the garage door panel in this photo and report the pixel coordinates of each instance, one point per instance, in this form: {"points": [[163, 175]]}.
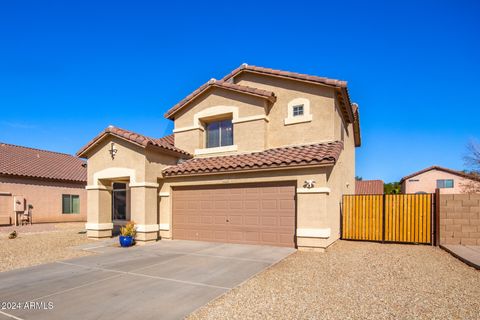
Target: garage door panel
{"points": [[236, 220], [236, 204], [253, 214], [221, 204], [269, 221], [269, 237], [286, 221], [269, 204], [286, 204], [252, 221], [221, 219]]}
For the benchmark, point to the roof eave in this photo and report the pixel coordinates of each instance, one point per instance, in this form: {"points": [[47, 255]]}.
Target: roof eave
{"points": [[170, 114], [328, 163]]}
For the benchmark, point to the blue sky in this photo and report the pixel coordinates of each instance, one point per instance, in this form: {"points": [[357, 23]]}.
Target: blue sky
{"points": [[70, 68]]}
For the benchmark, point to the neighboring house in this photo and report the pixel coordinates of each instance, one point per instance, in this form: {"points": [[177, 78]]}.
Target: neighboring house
{"points": [[368, 187], [260, 157], [52, 183], [427, 180]]}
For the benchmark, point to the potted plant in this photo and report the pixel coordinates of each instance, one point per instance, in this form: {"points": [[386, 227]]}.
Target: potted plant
{"points": [[127, 234]]}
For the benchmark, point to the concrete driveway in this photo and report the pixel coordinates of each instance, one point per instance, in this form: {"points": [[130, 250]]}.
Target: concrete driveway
{"points": [[167, 280]]}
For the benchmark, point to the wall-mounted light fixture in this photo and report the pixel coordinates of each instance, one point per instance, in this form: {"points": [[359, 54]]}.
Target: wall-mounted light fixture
{"points": [[113, 150]]}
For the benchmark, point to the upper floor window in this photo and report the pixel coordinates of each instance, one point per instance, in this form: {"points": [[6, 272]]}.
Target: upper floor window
{"points": [[445, 183], [219, 133], [298, 110]]}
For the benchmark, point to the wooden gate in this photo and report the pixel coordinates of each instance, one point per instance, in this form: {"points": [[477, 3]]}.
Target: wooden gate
{"points": [[404, 218]]}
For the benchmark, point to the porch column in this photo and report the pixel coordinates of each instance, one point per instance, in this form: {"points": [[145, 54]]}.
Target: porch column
{"points": [[313, 233], [143, 210], [99, 212]]}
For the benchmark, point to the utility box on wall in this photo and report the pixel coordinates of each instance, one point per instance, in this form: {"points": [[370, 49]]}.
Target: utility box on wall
{"points": [[18, 203]]}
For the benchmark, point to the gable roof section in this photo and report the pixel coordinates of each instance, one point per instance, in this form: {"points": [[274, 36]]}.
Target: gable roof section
{"points": [[455, 172], [165, 143], [368, 187], [285, 157], [343, 95], [41, 164], [213, 83]]}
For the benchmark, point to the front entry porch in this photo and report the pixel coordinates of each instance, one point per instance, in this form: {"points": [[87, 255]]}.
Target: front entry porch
{"points": [[115, 201]]}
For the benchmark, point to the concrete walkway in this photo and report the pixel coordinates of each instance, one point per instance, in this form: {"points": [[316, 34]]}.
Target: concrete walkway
{"points": [[167, 280], [468, 254]]}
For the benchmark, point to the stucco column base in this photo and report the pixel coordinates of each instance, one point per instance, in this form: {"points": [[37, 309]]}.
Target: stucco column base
{"points": [[146, 236], [99, 234], [165, 234]]}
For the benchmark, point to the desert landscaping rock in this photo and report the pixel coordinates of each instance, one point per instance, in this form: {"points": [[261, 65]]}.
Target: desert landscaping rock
{"points": [[40, 244], [356, 280]]}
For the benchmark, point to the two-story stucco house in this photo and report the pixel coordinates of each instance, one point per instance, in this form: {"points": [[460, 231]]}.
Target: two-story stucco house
{"points": [[260, 157]]}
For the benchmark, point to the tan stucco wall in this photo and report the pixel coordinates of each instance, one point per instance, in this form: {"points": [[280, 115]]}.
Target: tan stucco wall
{"points": [[140, 168], [45, 197], [427, 182], [128, 156], [324, 126], [246, 105], [322, 107]]}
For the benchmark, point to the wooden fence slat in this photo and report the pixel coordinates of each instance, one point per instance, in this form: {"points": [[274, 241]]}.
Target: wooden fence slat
{"points": [[407, 217]]}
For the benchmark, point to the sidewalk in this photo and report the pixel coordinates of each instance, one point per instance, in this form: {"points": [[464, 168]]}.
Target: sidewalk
{"points": [[468, 254]]}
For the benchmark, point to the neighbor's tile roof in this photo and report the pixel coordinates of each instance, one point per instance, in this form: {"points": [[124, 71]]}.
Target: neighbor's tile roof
{"points": [[270, 96], [141, 140], [35, 163], [455, 172], [295, 156], [368, 187], [286, 74]]}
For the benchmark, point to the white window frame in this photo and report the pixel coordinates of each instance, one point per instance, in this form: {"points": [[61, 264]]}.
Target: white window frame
{"points": [[306, 117]]}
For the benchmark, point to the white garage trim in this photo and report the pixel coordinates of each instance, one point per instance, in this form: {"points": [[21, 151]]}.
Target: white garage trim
{"points": [[313, 233], [313, 190]]}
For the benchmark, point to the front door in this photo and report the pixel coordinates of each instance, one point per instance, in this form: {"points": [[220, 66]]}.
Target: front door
{"points": [[119, 202]]}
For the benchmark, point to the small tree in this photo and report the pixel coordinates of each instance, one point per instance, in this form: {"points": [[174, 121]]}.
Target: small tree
{"points": [[391, 188], [358, 178], [472, 162]]}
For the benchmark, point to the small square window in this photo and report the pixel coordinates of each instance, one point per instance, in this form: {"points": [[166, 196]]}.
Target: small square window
{"points": [[298, 110]]}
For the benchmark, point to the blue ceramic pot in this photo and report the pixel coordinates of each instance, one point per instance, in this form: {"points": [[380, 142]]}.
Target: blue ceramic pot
{"points": [[126, 241]]}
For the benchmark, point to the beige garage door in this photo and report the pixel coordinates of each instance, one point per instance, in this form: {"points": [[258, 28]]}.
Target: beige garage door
{"points": [[248, 213]]}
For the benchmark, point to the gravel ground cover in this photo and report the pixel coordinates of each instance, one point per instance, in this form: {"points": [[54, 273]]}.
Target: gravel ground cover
{"points": [[356, 280], [40, 244]]}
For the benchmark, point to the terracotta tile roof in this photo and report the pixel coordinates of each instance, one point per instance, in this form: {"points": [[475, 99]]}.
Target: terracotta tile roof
{"points": [[295, 156], [286, 74], [455, 172], [36, 163], [136, 138], [368, 187], [170, 139], [270, 96]]}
